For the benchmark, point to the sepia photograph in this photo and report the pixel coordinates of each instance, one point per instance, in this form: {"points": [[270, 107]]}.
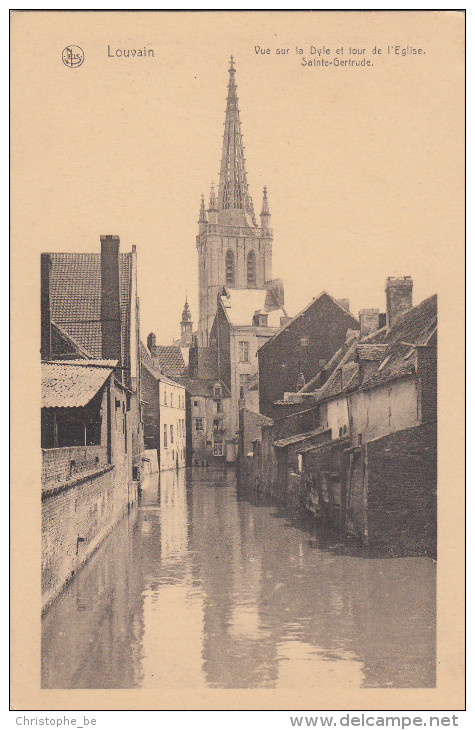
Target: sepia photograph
{"points": [[231, 235]]}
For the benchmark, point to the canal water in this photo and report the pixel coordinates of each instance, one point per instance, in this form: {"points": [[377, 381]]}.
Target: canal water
{"points": [[201, 586]]}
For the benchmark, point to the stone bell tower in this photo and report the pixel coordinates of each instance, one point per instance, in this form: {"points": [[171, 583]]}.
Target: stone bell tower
{"points": [[233, 250]]}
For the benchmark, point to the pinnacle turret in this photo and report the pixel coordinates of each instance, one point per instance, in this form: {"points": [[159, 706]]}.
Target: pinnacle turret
{"points": [[212, 198], [265, 213], [202, 210], [265, 203]]}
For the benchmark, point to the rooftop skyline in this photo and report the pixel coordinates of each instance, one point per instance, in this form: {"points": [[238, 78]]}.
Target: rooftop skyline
{"points": [[353, 173]]}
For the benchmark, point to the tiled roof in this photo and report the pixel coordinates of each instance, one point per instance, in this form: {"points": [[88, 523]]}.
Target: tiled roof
{"points": [[160, 376], [259, 418], [63, 345], [394, 348], [372, 351], [415, 328], [76, 299], [70, 386], [202, 387], [169, 359], [297, 438]]}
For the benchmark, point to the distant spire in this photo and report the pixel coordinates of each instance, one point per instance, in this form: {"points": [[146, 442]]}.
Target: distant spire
{"points": [[202, 210], [233, 189], [212, 198], [186, 314], [265, 203]]}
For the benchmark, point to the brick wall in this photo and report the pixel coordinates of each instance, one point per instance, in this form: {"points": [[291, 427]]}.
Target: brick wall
{"points": [[80, 509], [74, 521], [402, 491], [57, 466]]}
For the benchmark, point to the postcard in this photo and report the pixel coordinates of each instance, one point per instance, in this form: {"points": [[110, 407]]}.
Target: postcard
{"points": [[237, 291]]}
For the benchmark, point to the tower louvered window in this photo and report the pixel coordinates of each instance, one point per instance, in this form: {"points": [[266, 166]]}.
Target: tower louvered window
{"points": [[251, 269], [230, 268]]}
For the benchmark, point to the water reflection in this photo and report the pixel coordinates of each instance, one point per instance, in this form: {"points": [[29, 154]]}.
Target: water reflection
{"points": [[200, 588]]}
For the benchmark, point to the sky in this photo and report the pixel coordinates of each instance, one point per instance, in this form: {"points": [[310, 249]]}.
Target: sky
{"points": [[361, 164]]}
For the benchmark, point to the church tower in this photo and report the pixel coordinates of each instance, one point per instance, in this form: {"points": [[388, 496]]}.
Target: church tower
{"points": [[233, 250]]}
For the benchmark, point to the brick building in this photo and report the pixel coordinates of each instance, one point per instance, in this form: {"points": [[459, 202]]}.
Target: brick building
{"points": [[90, 310], [369, 464], [301, 348], [91, 423]]}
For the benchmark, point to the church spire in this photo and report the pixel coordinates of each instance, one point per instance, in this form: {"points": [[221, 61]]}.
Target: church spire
{"points": [[233, 189]]}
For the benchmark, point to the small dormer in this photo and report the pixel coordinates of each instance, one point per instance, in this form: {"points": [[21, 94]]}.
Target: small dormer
{"points": [[260, 319]]}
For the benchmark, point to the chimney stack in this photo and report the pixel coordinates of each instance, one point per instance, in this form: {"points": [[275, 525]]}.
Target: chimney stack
{"points": [[45, 306], [110, 299], [398, 297], [345, 303], [369, 321], [151, 343]]}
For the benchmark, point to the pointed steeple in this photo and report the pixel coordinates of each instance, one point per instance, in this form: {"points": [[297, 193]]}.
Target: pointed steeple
{"points": [[233, 189], [186, 325], [186, 314]]}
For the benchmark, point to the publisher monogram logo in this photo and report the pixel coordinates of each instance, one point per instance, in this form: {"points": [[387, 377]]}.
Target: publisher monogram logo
{"points": [[73, 56]]}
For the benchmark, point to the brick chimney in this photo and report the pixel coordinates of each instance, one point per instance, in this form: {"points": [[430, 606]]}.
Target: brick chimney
{"points": [[110, 299], [151, 343], [398, 297], [45, 306], [345, 303], [369, 321]]}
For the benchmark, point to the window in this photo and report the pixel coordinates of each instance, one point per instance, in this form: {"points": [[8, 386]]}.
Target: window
{"points": [[304, 342], [251, 268], [219, 406], [218, 391], [215, 424], [165, 436], [217, 449], [230, 268], [195, 403], [199, 424], [171, 434], [165, 396], [171, 398], [263, 320], [244, 352]]}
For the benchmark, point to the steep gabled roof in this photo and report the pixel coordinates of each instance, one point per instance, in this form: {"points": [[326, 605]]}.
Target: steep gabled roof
{"points": [[76, 299], [412, 330], [63, 345], [160, 376], [169, 360], [393, 347]]}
